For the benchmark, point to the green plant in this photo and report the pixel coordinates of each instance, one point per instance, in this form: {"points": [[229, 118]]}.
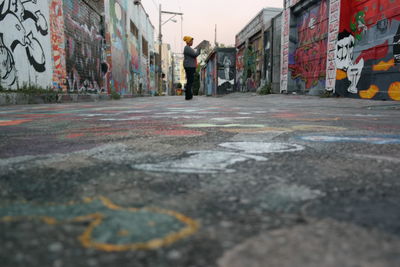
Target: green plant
{"points": [[48, 94], [326, 94], [266, 89], [115, 95]]}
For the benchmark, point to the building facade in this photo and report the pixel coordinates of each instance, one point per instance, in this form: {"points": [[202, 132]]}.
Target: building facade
{"points": [[217, 76], [349, 48], [250, 44], [77, 46]]}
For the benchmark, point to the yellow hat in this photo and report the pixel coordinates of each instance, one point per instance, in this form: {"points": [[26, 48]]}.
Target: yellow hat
{"points": [[187, 39]]}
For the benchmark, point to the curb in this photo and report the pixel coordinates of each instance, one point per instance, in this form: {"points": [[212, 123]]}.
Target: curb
{"points": [[27, 99]]}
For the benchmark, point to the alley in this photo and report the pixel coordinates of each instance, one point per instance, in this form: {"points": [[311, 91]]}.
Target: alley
{"points": [[238, 180]]}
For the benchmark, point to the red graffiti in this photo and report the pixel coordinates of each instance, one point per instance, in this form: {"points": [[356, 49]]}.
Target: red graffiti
{"points": [[310, 63], [310, 56], [314, 25]]}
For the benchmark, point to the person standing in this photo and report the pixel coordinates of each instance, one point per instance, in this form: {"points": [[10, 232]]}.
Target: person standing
{"points": [[189, 64]]}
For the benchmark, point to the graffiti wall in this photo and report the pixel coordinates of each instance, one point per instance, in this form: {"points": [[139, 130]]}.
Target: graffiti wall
{"points": [[25, 50], [58, 45], [135, 48], [119, 49], [84, 38], [307, 61], [240, 70], [211, 76], [226, 70], [367, 54], [285, 48]]}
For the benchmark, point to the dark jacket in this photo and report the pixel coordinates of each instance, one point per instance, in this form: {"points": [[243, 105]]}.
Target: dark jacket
{"points": [[190, 55]]}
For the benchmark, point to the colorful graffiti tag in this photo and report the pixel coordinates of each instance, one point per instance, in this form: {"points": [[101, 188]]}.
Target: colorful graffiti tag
{"points": [[308, 62], [83, 26], [119, 50], [58, 44], [368, 50]]}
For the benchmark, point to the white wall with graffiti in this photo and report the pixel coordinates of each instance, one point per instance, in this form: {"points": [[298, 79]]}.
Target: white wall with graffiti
{"points": [[25, 49]]}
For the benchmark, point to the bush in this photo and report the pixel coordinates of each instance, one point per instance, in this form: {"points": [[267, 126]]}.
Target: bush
{"points": [[48, 94], [115, 95], [265, 90]]}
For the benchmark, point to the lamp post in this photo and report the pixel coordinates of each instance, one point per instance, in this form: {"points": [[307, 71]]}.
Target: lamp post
{"points": [[160, 41]]}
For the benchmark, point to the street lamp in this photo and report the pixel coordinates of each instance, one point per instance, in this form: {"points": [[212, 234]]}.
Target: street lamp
{"points": [[160, 40]]}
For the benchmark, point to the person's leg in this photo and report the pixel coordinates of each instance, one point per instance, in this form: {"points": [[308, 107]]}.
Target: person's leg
{"points": [[189, 84]]}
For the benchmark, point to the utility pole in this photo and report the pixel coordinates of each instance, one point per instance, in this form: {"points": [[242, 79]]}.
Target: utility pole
{"points": [[160, 40], [215, 36]]}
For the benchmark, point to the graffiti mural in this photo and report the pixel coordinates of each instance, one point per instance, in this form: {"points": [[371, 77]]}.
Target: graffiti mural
{"points": [[58, 44], [307, 63], [285, 50], [368, 50], [84, 46], [334, 15], [249, 69], [226, 70], [119, 49], [211, 76], [239, 70], [25, 51]]}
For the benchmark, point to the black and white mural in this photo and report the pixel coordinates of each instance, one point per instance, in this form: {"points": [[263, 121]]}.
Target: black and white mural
{"points": [[25, 50], [226, 70]]}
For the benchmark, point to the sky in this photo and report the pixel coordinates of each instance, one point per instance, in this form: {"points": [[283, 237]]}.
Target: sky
{"points": [[201, 16]]}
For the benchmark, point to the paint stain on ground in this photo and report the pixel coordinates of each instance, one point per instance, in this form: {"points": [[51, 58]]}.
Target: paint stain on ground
{"points": [[257, 130], [262, 147], [12, 122], [178, 133], [380, 140], [210, 125]]}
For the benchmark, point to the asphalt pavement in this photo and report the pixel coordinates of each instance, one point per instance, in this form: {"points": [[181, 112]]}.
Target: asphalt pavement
{"points": [[241, 180]]}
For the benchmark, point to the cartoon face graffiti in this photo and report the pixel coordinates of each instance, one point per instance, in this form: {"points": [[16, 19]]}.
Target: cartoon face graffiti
{"points": [[344, 60], [344, 50]]}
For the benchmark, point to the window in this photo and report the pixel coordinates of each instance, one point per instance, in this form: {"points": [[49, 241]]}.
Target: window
{"points": [[145, 47], [134, 30]]}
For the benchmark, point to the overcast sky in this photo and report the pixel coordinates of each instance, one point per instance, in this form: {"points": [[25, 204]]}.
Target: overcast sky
{"points": [[201, 16]]}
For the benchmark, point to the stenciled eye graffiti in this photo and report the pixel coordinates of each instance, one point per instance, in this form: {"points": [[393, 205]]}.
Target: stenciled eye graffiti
{"points": [[111, 227], [208, 161], [21, 22]]}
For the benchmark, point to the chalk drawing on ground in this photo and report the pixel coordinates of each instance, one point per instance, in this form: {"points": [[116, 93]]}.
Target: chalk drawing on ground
{"points": [[111, 227], [201, 162], [219, 161]]}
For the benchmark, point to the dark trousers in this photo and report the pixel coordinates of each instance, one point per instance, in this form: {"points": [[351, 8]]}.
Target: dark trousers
{"points": [[190, 79]]}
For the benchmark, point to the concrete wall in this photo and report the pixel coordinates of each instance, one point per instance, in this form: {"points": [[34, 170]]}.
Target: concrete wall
{"points": [[25, 48]]}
